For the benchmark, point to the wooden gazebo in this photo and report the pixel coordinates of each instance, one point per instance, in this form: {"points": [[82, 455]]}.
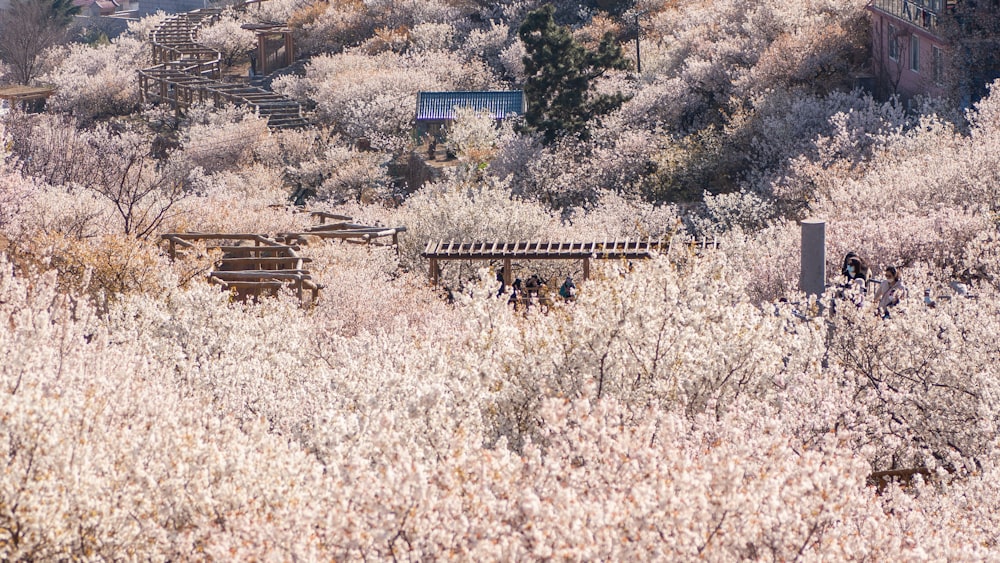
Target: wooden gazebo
{"points": [[548, 250]]}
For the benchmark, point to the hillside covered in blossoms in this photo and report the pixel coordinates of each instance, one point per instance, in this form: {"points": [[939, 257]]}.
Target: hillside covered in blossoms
{"points": [[695, 405]]}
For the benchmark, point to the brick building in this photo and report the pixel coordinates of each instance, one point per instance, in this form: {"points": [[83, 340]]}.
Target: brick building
{"points": [[940, 48]]}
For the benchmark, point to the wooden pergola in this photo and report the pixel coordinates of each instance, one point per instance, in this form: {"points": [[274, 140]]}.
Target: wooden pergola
{"points": [[344, 228], [251, 264], [549, 250], [275, 47]]}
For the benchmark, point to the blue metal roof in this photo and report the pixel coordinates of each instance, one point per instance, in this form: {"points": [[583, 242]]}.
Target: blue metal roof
{"points": [[441, 105]]}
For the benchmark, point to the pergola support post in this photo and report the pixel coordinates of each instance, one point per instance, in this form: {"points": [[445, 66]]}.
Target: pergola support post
{"points": [[586, 268], [812, 277], [262, 54], [506, 272]]}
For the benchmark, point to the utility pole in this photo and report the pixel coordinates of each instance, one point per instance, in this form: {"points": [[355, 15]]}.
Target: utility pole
{"points": [[638, 32], [638, 58]]}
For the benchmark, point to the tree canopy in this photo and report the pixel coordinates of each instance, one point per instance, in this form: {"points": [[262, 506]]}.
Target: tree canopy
{"points": [[28, 27], [560, 73]]}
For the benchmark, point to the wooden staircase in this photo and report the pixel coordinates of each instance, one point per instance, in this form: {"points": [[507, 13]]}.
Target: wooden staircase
{"points": [[185, 72]]}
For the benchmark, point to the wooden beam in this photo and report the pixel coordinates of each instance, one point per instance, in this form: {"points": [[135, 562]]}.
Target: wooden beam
{"points": [[324, 215], [255, 249], [259, 275]]}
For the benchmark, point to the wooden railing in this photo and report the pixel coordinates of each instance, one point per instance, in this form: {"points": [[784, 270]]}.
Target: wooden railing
{"points": [[185, 72]]}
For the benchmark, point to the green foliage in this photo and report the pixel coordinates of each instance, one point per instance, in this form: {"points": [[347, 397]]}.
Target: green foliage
{"points": [[62, 12], [560, 73], [95, 37]]}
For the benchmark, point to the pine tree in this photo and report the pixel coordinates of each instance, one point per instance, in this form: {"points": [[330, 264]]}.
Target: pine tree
{"points": [[559, 76]]}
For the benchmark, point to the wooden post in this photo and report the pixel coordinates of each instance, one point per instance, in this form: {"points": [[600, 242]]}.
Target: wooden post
{"points": [[262, 54], [586, 268], [289, 49], [506, 272], [434, 271], [812, 277]]}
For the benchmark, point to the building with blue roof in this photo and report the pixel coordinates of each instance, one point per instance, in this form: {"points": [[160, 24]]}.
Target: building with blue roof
{"points": [[435, 110]]}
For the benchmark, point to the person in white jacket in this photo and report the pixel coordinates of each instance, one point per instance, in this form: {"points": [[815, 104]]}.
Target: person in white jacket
{"points": [[890, 292]]}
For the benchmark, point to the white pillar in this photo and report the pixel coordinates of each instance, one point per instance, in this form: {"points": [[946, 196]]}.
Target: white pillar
{"points": [[812, 278]]}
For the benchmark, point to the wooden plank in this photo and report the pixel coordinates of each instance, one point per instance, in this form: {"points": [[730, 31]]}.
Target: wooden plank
{"points": [[255, 249], [177, 240], [216, 236], [251, 284], [338, 235], [342, 226], [324, 215], [245, 263], [276, 274]]}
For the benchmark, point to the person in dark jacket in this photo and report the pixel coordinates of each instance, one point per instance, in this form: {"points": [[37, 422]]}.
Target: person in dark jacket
{"points": [[568, 289], [856, 273], [855, 268]]}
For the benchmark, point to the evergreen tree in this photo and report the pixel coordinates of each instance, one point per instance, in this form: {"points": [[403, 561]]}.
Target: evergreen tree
{"points": [[559, 75]]}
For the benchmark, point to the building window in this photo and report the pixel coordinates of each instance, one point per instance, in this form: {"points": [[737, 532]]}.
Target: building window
{"points": [[915, 53], [893, 44], [938, 66]]}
